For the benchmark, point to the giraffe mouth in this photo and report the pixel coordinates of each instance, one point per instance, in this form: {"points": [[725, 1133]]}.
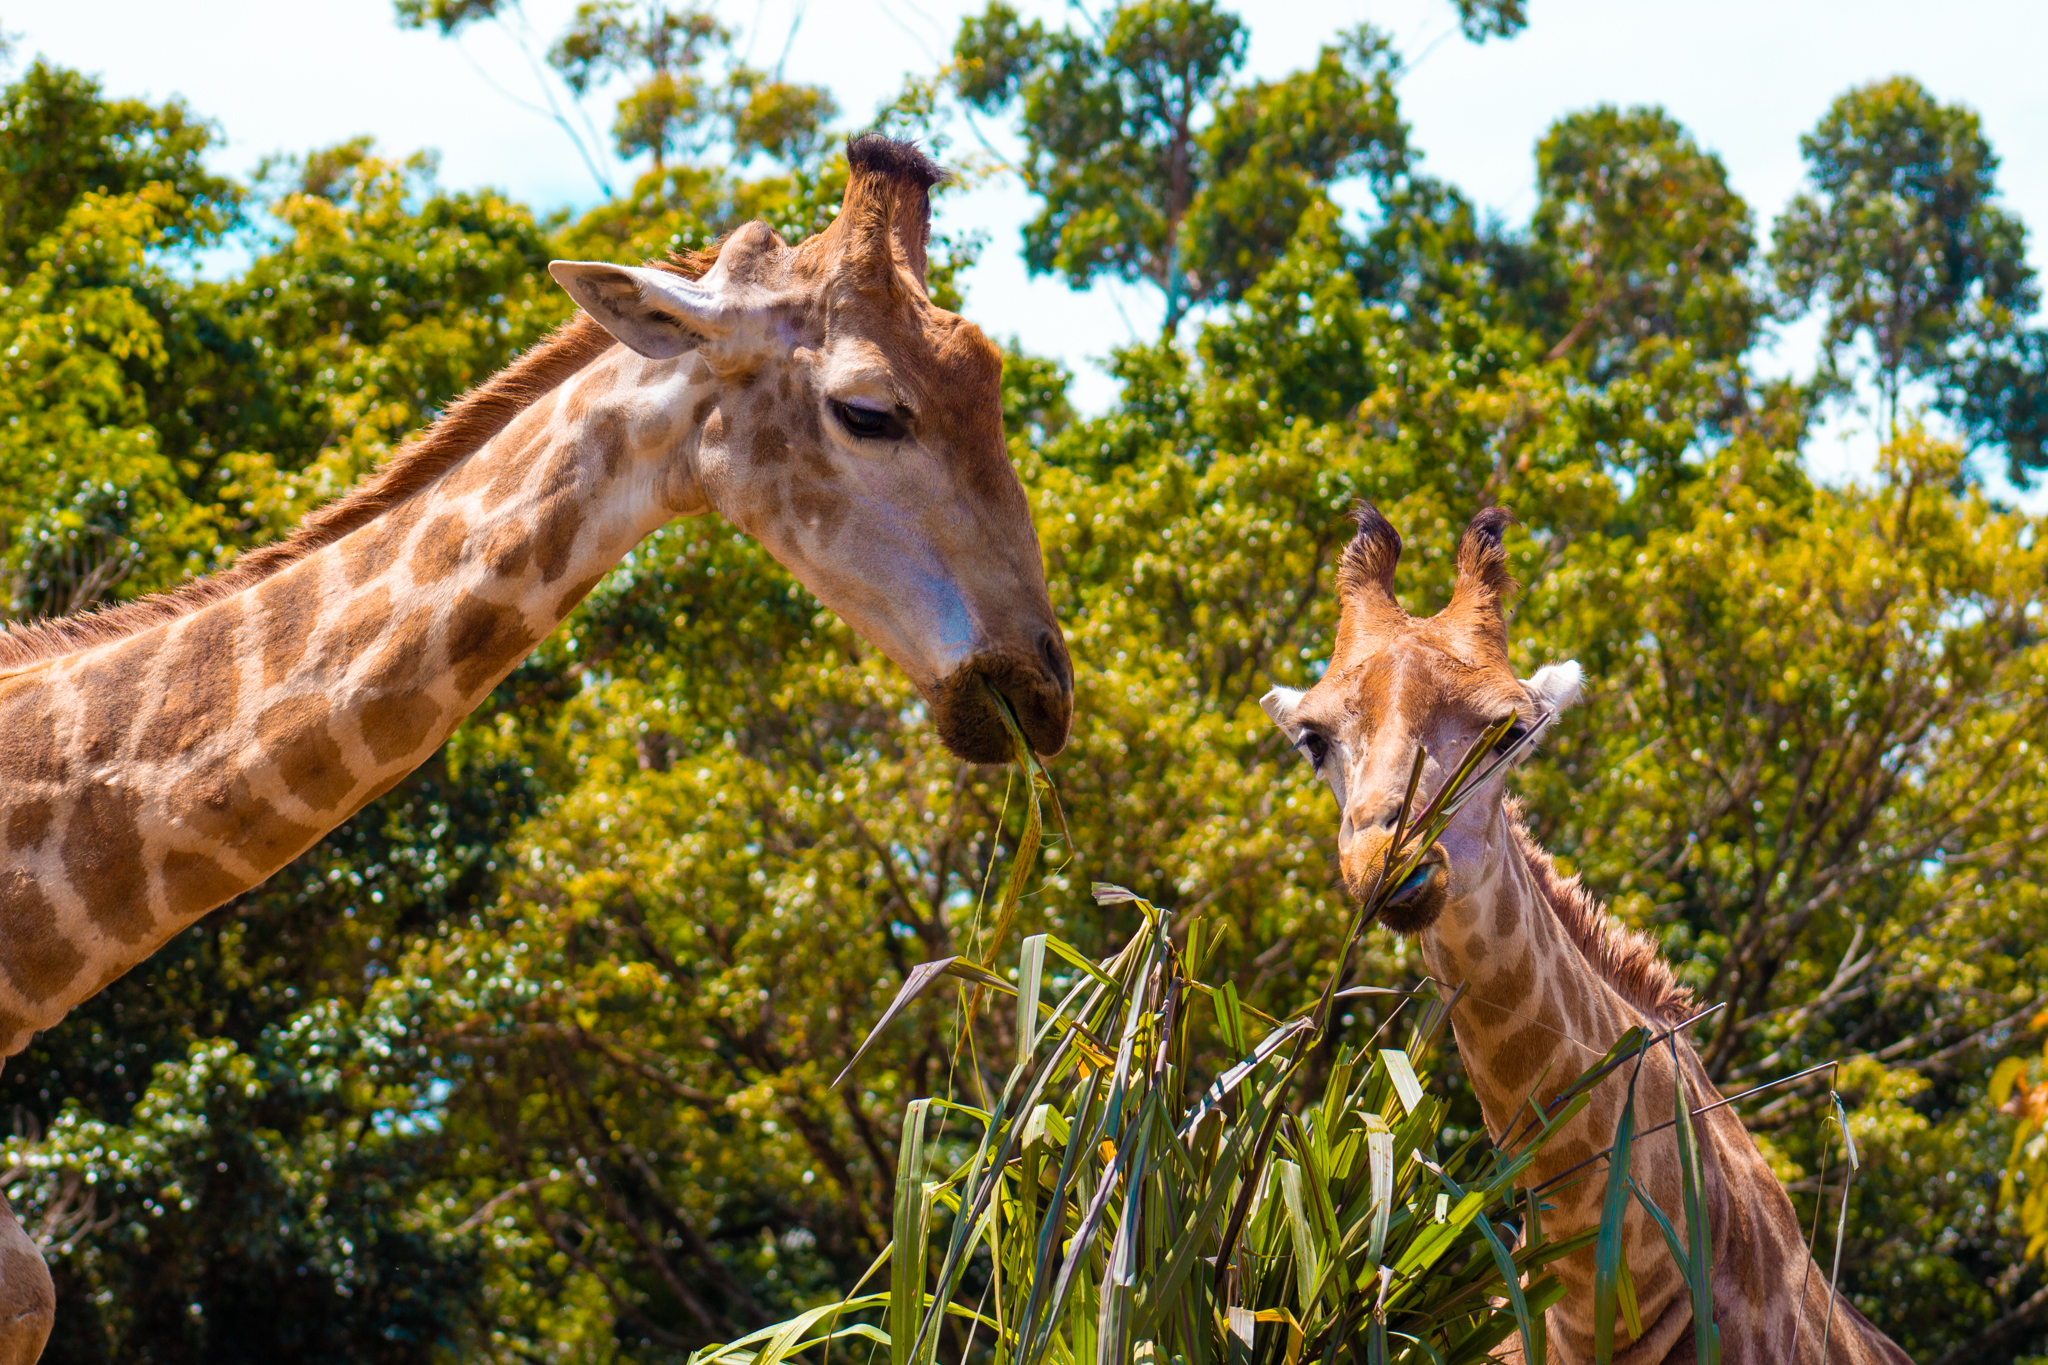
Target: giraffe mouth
{"points": [[1428, 874], [1040, 694]]}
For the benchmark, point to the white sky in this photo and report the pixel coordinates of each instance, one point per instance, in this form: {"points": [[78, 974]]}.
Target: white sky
{"points": [[1746, 76]]}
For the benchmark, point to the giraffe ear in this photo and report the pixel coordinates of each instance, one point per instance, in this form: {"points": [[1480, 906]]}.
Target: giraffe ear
{"points": [[1280, 704], [1556, 686], [657, 313]]}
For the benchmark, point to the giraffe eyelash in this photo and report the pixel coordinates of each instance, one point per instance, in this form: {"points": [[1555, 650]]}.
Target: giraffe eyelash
{"points": [[869, 424]]}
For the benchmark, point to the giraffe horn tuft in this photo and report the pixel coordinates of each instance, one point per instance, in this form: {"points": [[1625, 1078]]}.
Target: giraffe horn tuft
{"points": [[888, 202], [1366, 571], [1483, 576]]}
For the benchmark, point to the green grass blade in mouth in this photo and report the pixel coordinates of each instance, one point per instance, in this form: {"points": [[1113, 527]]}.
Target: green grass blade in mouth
{"points": [[1412, 883], [1036, 782]]}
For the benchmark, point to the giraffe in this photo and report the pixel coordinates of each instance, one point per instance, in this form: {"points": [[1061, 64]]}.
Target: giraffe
{"points": [[1550, 980], [160, 758]]}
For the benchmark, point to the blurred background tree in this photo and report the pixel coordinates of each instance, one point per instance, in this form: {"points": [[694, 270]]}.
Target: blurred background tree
{"points": [[1923, 279], [530, 1061]]}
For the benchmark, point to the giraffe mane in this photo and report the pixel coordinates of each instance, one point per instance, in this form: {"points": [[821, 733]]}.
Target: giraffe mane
{"points": [[460, 430], [1625, 958]]}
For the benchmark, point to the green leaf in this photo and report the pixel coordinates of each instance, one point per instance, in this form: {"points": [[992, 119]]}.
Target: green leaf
{"points": [[911, 1223], [1403, 1073], [1609, 1249]]}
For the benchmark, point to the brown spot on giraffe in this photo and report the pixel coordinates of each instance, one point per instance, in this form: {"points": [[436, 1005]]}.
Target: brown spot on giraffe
{"points": [[770, 446], [202, 703], [566, 603], [195, 883], [15, 1032], [506, 550], [496, 472], [28, 822], [810, 433], [365, 621], [817, 508], [104, 858], [227, 810], [510, 476], [438, 553], [397, 715], [1519, 1058], [289, 611], [560, 518], [576, 406], [381, 789], [376, 547], [29, 751], [295, 737], [118, 671], [605, 438], [485, 639], [36, 957]]}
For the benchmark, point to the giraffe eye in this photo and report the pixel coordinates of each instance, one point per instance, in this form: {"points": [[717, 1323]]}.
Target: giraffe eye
{"points": [[1506, 743], [869, 424], [1314, 747]]}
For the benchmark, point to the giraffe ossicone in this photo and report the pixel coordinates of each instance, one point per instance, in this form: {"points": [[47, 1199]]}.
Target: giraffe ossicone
{"points": [[1548, 980], [159, 758]]}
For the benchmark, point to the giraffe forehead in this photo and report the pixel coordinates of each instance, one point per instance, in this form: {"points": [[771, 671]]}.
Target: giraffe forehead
{"points": [[1415, 681]]}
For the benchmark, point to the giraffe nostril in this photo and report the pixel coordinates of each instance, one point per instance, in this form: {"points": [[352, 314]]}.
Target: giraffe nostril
{"points": [[1055, 660]]}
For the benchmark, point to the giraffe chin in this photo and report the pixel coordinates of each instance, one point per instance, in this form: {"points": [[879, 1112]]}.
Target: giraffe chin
{"points": [[969, 723]]}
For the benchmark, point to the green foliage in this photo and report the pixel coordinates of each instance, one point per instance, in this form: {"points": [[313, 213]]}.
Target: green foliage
{"points": [[1483, 19], [1647, 241], [1087, 1217], [61, 139], [532, 1059], [1117, 1208], [1151, 165], [673, 107], [1901, 243]]}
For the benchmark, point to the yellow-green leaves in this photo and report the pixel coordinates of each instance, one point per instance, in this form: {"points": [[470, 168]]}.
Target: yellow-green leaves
{"points": [[1120, 1210]]}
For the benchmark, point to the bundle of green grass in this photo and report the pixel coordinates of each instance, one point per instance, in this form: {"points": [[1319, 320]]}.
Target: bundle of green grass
{"points": [[1116, 1203]]}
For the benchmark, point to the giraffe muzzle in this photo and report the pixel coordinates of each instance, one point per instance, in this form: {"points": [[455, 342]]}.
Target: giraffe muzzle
{"points": [[1038, 687], [1420, 897]]}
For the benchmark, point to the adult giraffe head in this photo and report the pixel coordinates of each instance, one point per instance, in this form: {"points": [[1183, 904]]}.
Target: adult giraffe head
{"points": [[1396, 682], [855, 429]]}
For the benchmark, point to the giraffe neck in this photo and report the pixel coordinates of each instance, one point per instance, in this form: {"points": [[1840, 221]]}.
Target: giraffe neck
{"points": [[1535, 1014], [149, 779]]}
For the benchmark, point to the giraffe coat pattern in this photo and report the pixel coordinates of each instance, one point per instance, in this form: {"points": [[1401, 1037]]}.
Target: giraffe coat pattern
{"points": [[160, 758]]}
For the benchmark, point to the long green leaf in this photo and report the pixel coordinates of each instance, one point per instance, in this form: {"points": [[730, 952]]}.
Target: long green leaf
{"points": [[1611, 1246], [911, 1222], [1692, 1190]]}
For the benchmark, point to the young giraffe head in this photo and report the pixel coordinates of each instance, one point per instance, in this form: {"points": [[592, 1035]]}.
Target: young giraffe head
{"points": [[855, 429], [1396, 682]]}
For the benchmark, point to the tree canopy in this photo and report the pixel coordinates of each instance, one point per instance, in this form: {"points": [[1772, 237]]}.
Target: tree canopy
{"points": [[532, 1059], [1921, 275]]}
